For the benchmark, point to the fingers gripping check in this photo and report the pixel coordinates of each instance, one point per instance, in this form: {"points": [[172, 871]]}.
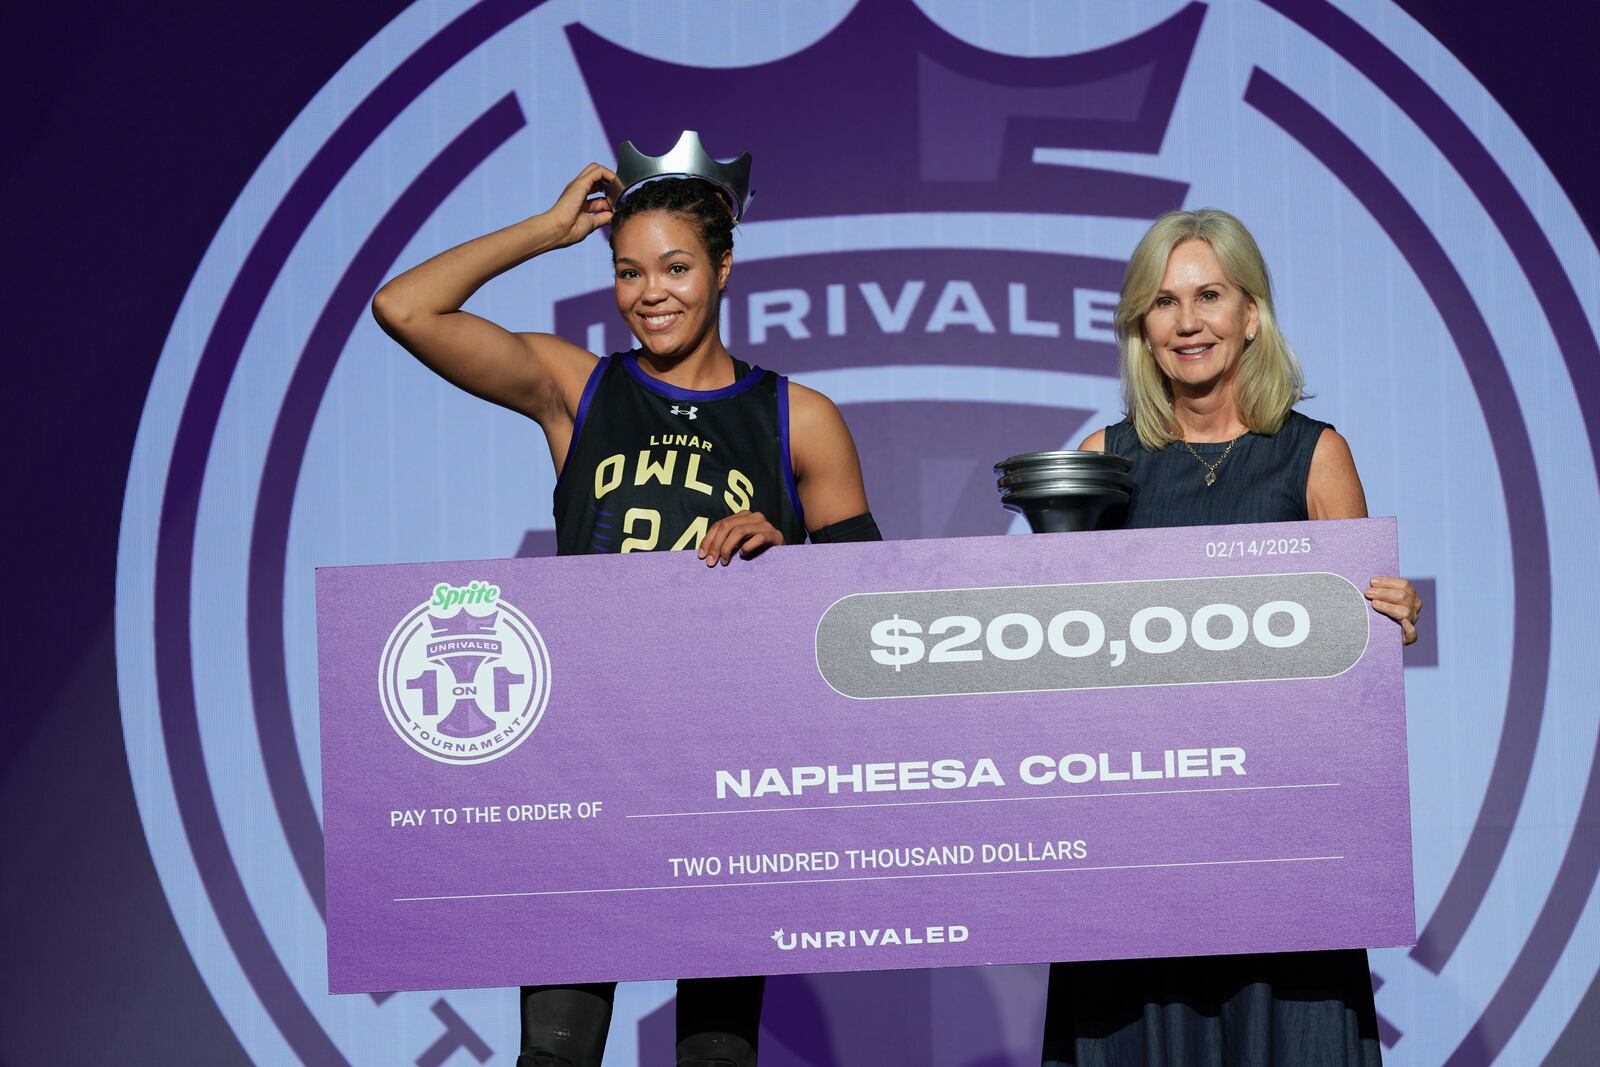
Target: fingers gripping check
{"points": [[1399, 600], [748, 533]]}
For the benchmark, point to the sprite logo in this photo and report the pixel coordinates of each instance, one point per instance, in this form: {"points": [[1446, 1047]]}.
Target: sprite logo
{"points": [[447, 596]]}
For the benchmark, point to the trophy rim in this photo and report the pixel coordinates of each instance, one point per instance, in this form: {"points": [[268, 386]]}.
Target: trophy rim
{"points": [[1065, 457]]}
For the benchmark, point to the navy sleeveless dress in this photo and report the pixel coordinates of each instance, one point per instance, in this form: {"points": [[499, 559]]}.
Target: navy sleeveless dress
{"points": [[1263, 479], [1287, 1009]]}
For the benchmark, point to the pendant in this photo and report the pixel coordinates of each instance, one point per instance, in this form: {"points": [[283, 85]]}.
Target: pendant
{"points": [[1211, 478]]}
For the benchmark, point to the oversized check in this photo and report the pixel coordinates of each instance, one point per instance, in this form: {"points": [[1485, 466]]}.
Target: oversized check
{"points": [[848, 757]]}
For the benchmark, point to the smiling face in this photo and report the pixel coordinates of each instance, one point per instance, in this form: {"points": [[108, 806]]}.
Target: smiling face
{"points": [[668, 290], [1200, 322]]}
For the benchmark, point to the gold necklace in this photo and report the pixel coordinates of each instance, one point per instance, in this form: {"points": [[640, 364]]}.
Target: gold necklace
{"points": [[1211, 468]]}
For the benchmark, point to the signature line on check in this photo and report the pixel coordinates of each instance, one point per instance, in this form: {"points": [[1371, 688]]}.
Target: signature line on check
{"points": [[981, 800], [866, 878]]}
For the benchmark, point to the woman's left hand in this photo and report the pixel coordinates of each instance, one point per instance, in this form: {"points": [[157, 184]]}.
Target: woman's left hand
{"points": [[747, 533], [1398, 599]]}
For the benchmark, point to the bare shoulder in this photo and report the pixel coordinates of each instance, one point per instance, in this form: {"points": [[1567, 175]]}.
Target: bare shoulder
{"points": [[1333, 451], [812, 415], [1095, 442], [1333, 488], [810, 404]]}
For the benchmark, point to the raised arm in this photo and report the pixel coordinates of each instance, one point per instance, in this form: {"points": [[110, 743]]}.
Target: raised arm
{"points": [[537, 374]]}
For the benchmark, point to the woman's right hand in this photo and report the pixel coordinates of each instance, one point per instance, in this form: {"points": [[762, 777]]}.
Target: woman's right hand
{"points": [[585, 205], [539, 375]]}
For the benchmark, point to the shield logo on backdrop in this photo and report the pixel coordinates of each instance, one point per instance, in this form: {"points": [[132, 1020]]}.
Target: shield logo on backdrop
{"points": [[946, 202]]}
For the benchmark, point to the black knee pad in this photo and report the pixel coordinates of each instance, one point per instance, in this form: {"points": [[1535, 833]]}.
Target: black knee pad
{"points": [[715, 1050], [565, 1026], [719, 1021]]}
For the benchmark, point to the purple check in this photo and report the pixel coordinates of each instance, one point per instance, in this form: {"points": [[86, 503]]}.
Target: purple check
{"points": [[851, 757]]}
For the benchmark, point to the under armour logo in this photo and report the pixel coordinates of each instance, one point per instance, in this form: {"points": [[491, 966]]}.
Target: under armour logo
{"points": [[689, 411]]}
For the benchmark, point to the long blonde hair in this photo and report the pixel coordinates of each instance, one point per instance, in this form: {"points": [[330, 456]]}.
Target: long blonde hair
{"points": [[1270, 382]]}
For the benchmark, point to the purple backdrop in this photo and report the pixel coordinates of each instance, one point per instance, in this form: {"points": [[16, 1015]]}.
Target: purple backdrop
{"points": [[129, 131]]}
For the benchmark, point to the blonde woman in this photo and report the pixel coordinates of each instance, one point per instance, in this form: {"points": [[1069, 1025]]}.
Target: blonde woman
{"points": [[1210, 386]]}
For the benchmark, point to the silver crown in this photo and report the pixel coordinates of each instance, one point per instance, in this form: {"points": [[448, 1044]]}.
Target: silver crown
{"points": [[687, 159]]}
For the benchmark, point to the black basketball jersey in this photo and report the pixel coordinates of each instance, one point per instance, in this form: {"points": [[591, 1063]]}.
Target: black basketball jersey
{"points": [[652, 466]]}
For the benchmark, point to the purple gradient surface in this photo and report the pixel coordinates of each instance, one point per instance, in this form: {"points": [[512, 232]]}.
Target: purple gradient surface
{"points": [[653, 693]]}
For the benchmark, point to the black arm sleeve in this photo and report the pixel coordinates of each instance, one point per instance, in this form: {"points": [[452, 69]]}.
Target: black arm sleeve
{"points": [[856, 528]]}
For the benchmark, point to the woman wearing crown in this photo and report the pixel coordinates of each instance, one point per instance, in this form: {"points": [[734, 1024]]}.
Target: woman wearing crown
{"points": [[677, 445]]}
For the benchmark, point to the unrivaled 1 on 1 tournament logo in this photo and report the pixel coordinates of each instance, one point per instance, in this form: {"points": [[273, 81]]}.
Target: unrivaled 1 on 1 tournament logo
{"points": [[948, 193], [464, 643]]}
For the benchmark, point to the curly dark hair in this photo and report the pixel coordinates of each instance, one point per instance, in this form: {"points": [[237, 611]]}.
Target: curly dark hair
{"points": [[700, 202]]}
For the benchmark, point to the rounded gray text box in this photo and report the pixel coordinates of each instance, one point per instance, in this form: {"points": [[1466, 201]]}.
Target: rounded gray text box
{"points": [[1096, 635]]}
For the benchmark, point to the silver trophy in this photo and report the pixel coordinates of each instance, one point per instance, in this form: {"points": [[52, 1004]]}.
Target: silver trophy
{"points": [[1063, 492]]}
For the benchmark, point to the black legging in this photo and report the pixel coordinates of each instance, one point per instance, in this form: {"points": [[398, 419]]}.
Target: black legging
{"points": [[719, 1020]]}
